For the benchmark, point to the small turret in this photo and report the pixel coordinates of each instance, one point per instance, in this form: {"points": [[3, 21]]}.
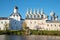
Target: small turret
{"points": [[30, 11], [52, 14], [42, 11], [34, 11], [15, 9], [38, 13], [56, 17]]}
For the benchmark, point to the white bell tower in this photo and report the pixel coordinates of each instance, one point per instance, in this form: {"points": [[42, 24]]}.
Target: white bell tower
{"points": [[15, 9], [15, 20]]}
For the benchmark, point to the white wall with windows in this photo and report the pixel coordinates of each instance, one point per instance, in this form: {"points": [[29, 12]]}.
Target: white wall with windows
{"points": [[3, 23]]}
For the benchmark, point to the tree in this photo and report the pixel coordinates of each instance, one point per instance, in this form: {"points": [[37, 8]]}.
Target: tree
{"points": [[24, 25], [27, 31]]}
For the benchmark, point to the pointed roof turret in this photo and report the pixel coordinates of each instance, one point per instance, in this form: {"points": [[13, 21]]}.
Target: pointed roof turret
{"points": [[42, 11], [15, 9], [30, 11], [15, 13], [52, 14], [34, 11], [38, 11]]}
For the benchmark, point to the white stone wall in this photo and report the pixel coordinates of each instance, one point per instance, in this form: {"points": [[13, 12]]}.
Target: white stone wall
{"points": [[34, 24], [42, 25], [2, 24], [15, 22], [53, 26]]}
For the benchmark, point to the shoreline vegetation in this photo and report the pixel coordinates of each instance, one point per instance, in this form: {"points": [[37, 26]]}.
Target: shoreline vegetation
{"points": [[29, 32]]}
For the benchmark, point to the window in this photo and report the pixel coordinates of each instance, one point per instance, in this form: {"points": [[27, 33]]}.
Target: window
{"points": [[17, 27], [15, 22], [42, 16], [59, 25], [17, 15], [47, 24], [55, 25], [51, 24], [42, 22], [14, 15]]}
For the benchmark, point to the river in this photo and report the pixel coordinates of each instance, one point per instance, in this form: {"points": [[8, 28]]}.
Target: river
{"points": [[30, 37]]}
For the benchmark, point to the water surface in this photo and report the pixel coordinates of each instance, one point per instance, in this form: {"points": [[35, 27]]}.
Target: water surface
{"points": [[30, 37]]}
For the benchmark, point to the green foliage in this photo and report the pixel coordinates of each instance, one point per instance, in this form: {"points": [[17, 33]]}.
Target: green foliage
{"points": [[32, 32], [24, 26]]}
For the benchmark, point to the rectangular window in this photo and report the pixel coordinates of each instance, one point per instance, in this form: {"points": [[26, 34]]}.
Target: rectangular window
{"points": [[59, 25], [55, 25], [51, 24]]}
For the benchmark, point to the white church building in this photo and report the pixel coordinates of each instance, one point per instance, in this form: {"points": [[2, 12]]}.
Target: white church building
{"points": [[35, 20], [13, 22]]}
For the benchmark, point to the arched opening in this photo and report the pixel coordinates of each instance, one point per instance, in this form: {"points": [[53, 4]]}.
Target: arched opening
{"points": [[41, 16]]}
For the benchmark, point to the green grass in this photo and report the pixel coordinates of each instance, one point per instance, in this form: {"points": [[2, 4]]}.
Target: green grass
{"points": [[44, 32], [32, 32]]}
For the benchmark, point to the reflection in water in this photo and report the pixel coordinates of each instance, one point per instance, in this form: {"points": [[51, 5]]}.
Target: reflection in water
{"points": [[31, 37], [2, 37]]}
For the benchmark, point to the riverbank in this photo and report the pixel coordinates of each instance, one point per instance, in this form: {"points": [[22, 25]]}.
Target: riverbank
{"points": [[31, 32]]}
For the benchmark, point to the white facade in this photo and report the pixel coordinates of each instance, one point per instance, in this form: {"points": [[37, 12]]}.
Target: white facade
{"points": [[35, 20], [15, 20], [42, 22], [4, 23]]}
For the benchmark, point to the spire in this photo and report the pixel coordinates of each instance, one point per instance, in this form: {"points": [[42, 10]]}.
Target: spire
{"points": [[52, 14], [34, 11], [38, 11], [15, 9], [42, 11], [30, 11]]}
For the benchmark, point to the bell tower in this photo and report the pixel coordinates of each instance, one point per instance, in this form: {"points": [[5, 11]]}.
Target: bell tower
{"points": [[15, 9]]}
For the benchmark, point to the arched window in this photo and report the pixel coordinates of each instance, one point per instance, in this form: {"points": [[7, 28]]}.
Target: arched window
{"points": [[47, 24], [59, 25], [41, 16]]}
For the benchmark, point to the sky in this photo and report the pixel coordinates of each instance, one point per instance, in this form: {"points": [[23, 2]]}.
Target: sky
{"points": [[7, 6]]}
